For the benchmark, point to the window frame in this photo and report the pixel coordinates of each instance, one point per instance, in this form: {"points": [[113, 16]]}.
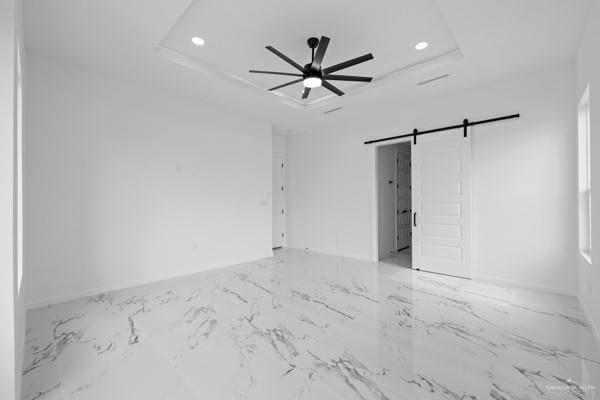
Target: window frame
{"points": [[584, 173]]}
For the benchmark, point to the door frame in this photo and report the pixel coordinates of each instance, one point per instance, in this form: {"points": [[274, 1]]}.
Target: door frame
{"points": [[375, 195], [284, 161]]}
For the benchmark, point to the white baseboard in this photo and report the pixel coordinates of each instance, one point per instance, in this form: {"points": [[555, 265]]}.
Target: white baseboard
{"points": [[476, 277], [127, 285], [326, 252], [523, 285]]}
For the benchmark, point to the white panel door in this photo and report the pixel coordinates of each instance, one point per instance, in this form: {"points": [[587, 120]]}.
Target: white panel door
{"points": [[441, 200], [278, 201]]}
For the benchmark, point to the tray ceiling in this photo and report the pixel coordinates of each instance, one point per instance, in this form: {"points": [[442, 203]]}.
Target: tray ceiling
{"points": [[236, 34]]}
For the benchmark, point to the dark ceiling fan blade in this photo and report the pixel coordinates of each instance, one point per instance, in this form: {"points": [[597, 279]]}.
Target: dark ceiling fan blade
{"points": [[329, 86], [348, 78], [274, 73], [348, 63], [286, 84], [306, 92], [285, 58], [321, 49]]}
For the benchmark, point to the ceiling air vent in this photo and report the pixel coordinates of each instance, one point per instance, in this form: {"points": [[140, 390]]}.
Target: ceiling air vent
{"points": [[437, 78], [332, 110]]}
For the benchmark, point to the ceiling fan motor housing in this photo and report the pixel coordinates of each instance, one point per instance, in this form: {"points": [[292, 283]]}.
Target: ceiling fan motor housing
{"points": [[313, 42], [310, 71]]}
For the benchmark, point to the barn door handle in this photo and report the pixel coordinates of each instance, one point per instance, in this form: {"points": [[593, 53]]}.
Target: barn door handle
{"points": [[415, 218]]}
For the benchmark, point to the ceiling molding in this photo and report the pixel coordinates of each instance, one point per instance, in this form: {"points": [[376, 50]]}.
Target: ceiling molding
{"points": [[388, 78]]}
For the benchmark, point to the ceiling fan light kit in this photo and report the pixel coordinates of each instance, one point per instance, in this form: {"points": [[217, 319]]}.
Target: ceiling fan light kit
{"points": [[312, 82], [312, 75]]}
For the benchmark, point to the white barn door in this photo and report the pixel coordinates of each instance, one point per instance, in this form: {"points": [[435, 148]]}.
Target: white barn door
{"points": [[441, 201]]}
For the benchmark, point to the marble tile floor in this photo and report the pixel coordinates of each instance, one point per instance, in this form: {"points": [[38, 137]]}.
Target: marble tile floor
{"points": [[401, 258], [302, 325]]}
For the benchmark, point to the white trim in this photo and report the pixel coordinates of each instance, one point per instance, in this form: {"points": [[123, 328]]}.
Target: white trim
{"points": [[375, 195], [131, 284], [283, 158], [523, 285], [374, 206], [584, 188], [354, 257], [447, 58], [586, 256]]}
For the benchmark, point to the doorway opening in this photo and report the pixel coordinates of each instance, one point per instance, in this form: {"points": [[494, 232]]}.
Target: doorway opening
{"points": [[394, 199]]}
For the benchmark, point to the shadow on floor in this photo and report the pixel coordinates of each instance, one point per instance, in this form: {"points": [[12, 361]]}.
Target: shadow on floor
{"points": [[401, 258]]}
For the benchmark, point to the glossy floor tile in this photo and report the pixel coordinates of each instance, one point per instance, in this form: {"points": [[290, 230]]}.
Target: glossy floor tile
{"points": [[402, 258], [307, 326]]}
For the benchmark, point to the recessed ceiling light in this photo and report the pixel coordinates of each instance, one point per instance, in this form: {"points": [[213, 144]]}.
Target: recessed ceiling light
{"points": [[312, 82], [421, 45], [198, 41]]}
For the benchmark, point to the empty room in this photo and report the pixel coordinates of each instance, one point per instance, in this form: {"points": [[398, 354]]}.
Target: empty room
{"points": [[334, 200]]}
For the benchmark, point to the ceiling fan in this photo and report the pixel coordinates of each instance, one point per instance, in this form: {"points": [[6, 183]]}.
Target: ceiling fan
{"points": [[312, 75]]}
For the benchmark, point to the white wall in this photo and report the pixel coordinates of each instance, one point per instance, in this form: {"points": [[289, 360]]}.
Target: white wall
{"points": [[588, 72], [128, 184], [279, 142], [12, 313], [524, 178]]}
